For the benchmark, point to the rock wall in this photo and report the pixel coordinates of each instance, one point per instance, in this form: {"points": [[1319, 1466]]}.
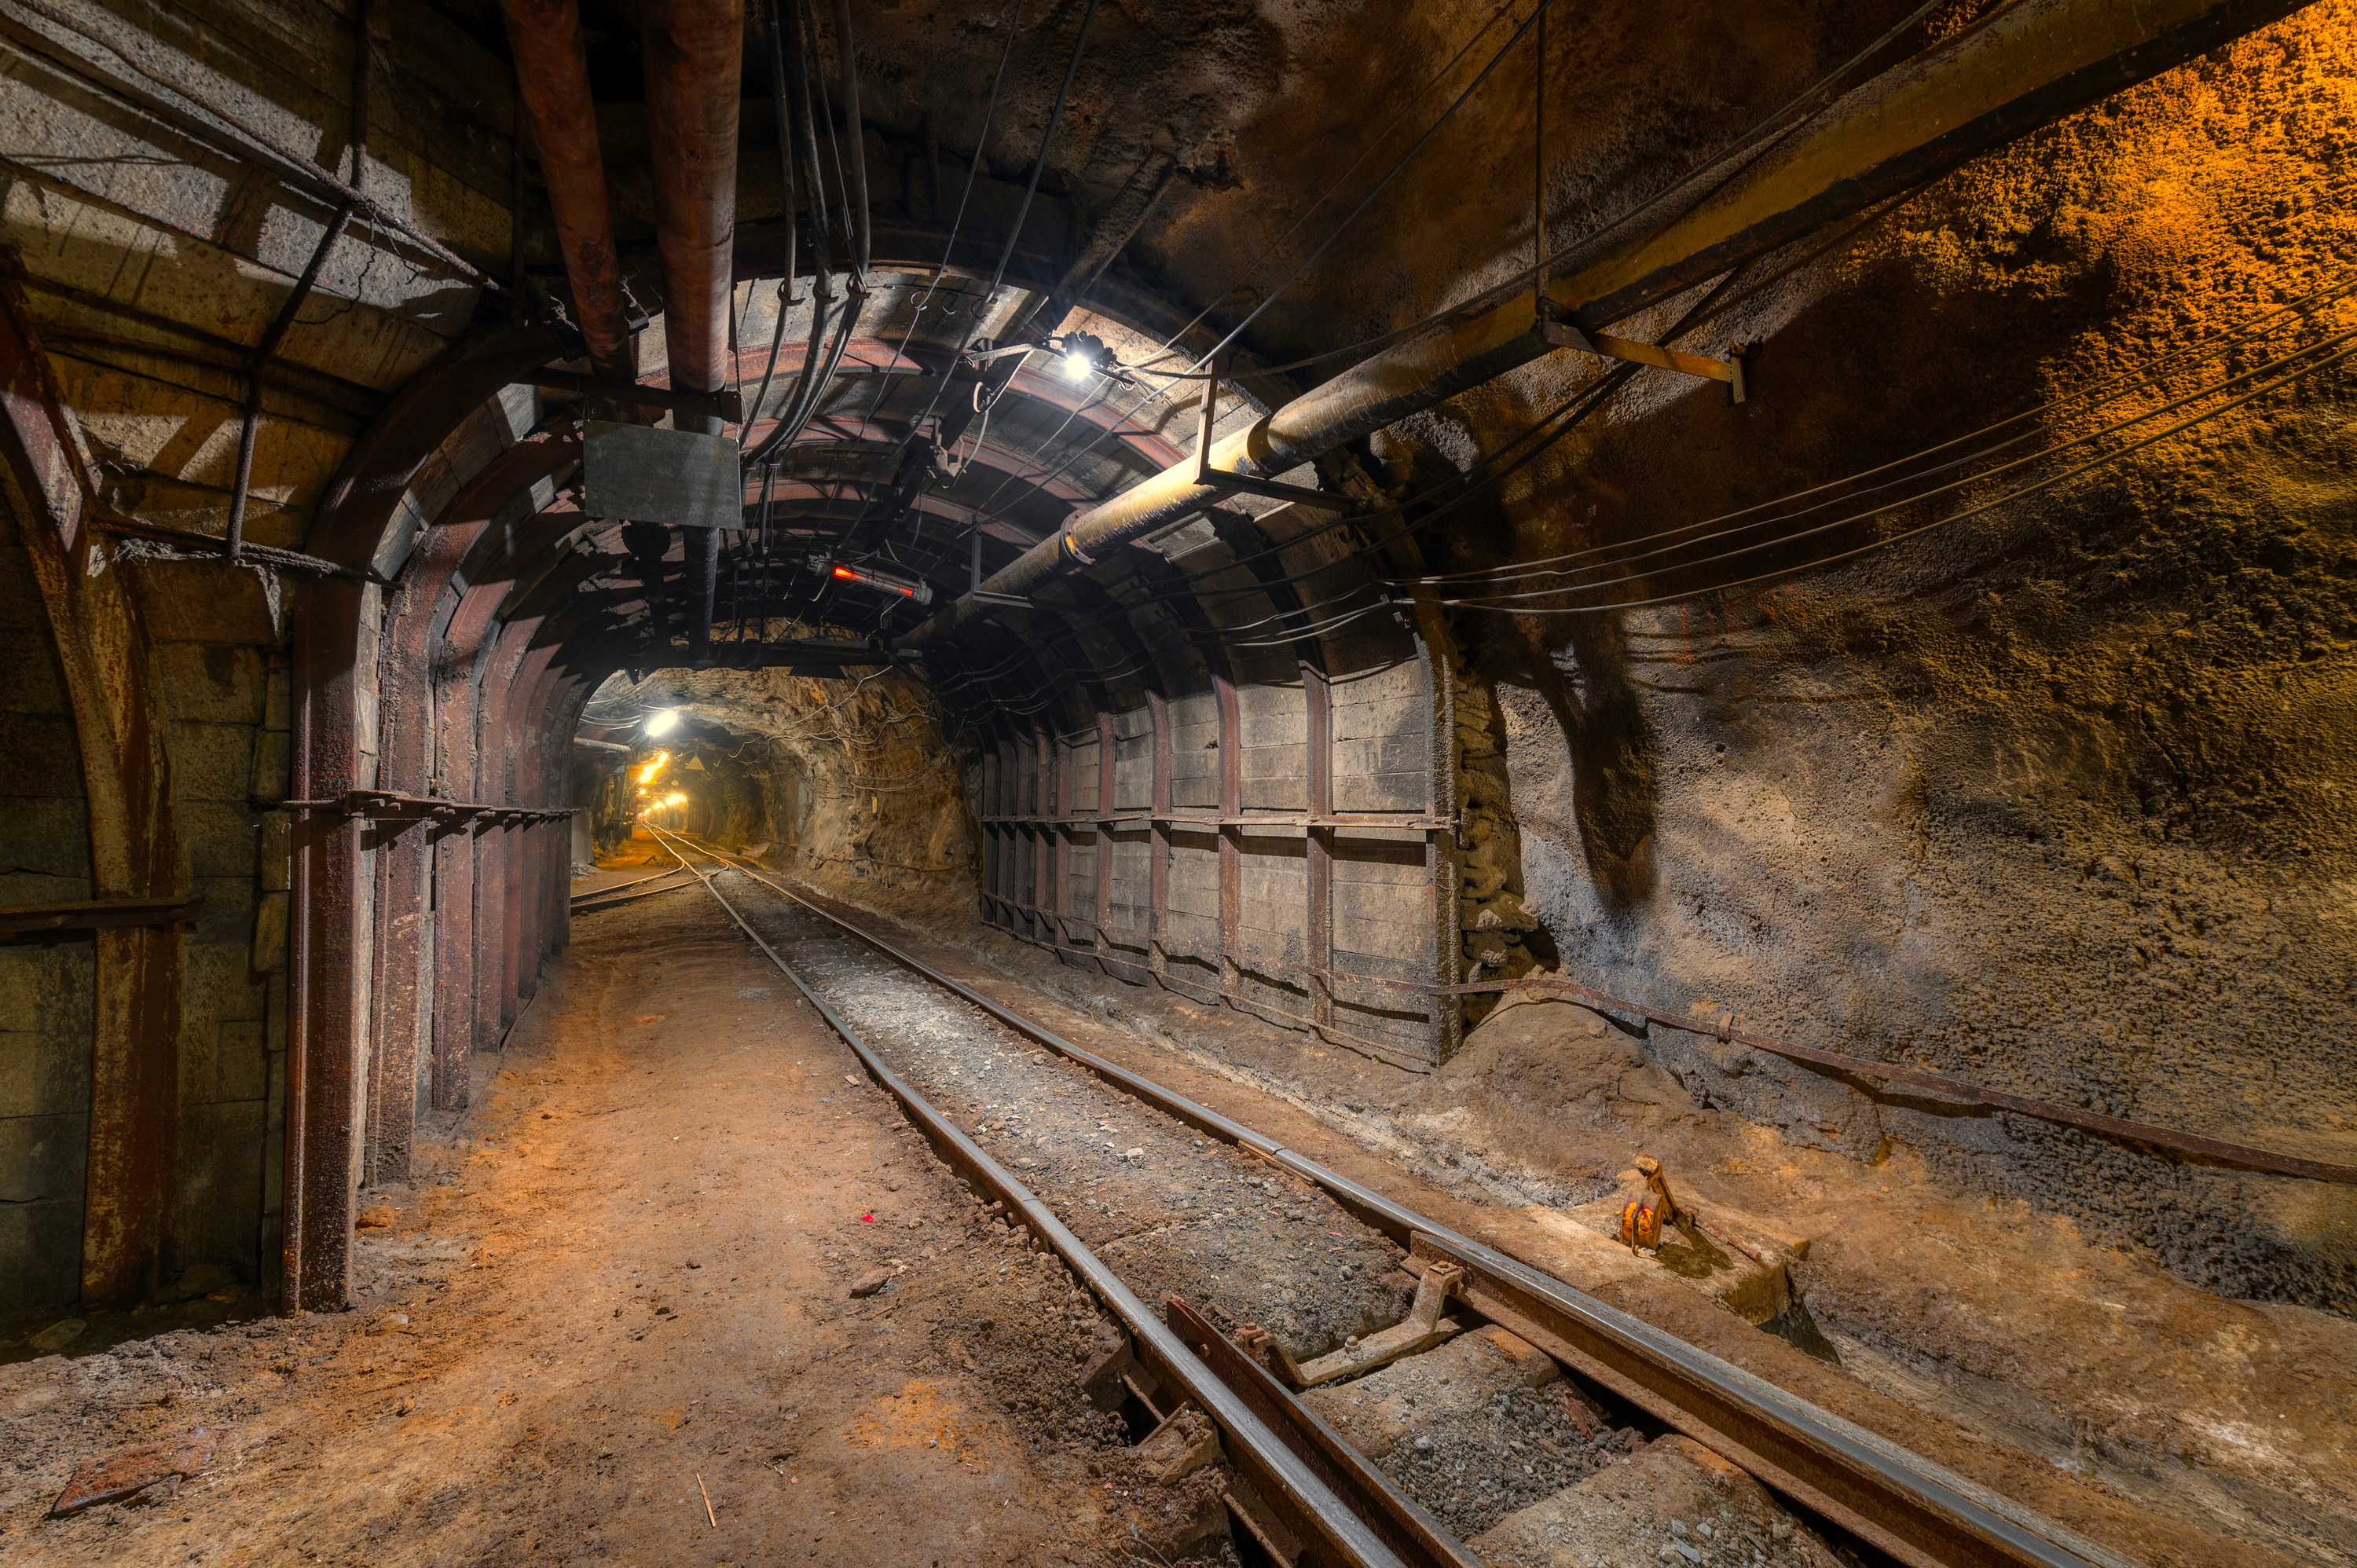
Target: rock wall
{"points": [[846, 783], [2058, 799]]}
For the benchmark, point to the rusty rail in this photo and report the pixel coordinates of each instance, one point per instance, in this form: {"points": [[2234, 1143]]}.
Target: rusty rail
{"points": [[1922, 1513], [1302, 1498], [1415, 1534]]}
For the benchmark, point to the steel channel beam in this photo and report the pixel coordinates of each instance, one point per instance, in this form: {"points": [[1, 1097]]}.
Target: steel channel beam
{"points": [[1107, 745], [1158, 868], [1317, 929], [1955, 1522], [1436, 650], [1232, 835], [1308, 1505], [324, 1029]]}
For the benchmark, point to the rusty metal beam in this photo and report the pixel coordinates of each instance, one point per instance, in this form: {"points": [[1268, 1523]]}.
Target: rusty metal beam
{"points": [[355, 138], [1231, 831], [330, 942], [724, 404], [1157, 867], [2029, 65], [1106, 749], [134, 852], [694, 52], [323, 1088], [98, 915]]}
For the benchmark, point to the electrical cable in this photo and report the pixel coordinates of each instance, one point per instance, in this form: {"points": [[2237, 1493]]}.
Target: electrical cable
{"points": [[1014, 235], [1487, 601], [2086, 400], [1759, 131], [2251, 329], [782, 115], [848, 58]]}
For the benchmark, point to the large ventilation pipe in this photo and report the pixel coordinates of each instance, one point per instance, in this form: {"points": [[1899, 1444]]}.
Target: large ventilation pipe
{"points": [[553, 77], [2030, 65], [694, 63]]}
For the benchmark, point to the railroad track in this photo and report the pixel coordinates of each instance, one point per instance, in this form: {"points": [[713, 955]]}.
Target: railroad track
{"points": [[1308, 1496]]}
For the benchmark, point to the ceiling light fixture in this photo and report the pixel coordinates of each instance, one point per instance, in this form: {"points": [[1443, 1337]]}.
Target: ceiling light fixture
{"points": [[914, 589]]}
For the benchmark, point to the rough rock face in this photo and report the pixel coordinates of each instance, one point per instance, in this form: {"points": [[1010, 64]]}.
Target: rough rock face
{"points": [[2057, 798], [849, 783]]}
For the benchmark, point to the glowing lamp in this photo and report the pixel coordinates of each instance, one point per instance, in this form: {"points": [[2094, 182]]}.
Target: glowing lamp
{"points": [[663, 723], [916, 590]]}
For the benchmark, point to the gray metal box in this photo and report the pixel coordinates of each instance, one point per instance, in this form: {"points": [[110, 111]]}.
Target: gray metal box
{"points": [[633, 473]]}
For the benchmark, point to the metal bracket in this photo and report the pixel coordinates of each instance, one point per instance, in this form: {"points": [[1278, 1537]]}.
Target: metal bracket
{"points": [[1556, 332], [1228, 482], [724, 403]]}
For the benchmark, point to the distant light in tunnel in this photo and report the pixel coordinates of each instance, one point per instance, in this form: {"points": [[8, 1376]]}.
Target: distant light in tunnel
{"points": [[663, 723], [674, 799], [647, 773]]}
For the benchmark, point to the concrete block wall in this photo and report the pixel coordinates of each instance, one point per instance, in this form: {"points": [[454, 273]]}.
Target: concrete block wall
{"points": [[218, 685]]}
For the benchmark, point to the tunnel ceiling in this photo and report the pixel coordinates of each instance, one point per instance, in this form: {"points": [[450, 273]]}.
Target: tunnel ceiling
{"points": [[1301, 186], [1200, 158]]}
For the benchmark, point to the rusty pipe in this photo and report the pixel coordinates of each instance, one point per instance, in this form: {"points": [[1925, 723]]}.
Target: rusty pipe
{"points": [[694, 63], [2031, 64], [553, 80]]}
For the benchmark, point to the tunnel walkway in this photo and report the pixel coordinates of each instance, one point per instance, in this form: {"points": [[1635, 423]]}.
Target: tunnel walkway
{"points": [[629, 1266]]}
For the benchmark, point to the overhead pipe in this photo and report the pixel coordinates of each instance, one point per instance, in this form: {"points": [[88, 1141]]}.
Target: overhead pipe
{"points": [[694, 65], [553, 80], [2028, 66]]}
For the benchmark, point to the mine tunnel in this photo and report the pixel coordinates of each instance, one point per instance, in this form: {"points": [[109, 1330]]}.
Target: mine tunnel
{"points": [[1318, 784]]}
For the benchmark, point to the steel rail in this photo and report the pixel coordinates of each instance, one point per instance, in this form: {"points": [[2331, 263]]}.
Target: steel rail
{"points": [[1296, 1490], [596, 893], [1920, 1511]]}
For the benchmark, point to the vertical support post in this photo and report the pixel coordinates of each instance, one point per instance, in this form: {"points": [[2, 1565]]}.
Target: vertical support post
{"points": [[1106, 744], [1060, 880], [1157, 873], [1232, 841], [455, 918], [1010, 849], [102, 651], [1432, 647], [325, 1072], [1318, 928], [1034, 836], [989, 835]]}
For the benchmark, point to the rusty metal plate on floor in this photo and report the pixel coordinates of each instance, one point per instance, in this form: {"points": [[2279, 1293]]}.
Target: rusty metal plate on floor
{"points": [[634, 473]]}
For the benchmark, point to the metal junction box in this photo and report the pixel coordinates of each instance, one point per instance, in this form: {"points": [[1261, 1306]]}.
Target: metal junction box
{"points": [[635, 474]]}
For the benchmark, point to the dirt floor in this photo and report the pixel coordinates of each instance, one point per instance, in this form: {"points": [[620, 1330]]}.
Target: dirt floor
{"points": [[623, 1285]]}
